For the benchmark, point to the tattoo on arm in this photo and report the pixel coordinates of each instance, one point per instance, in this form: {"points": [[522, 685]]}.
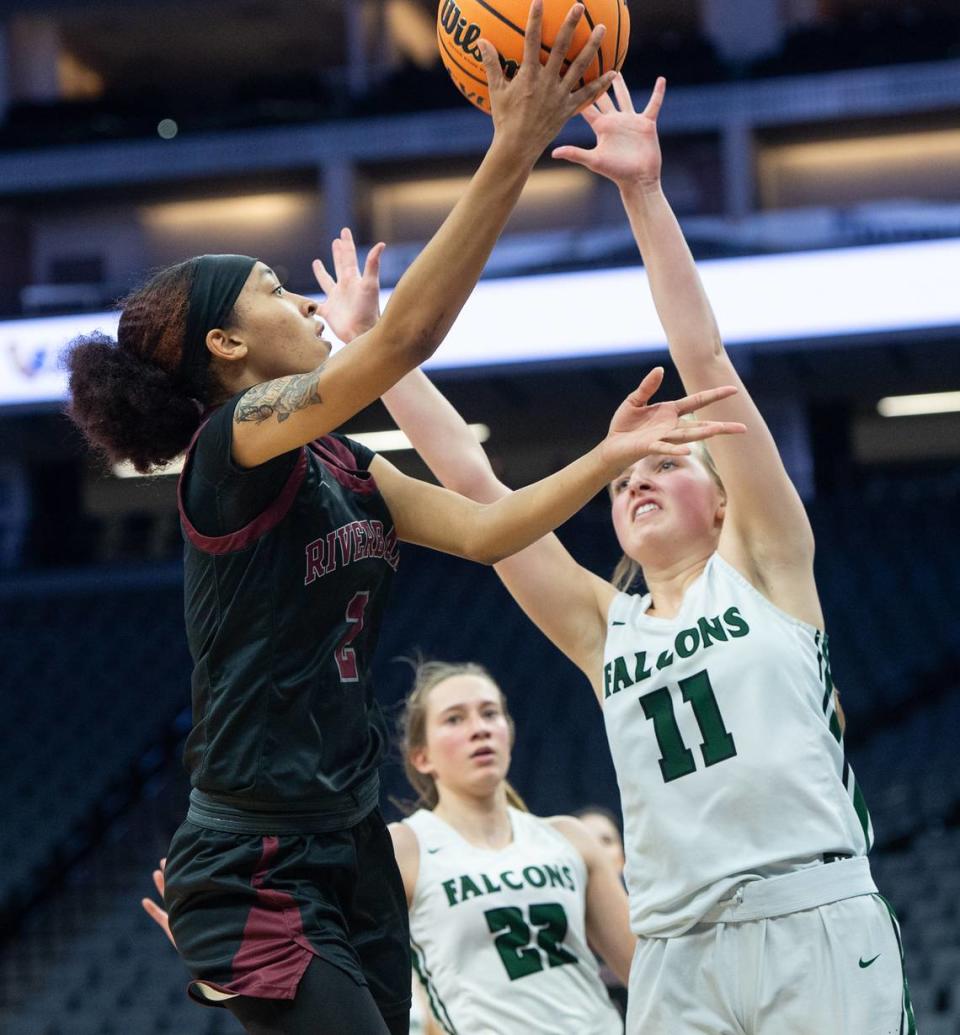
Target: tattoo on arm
{"points": [[279, 398]]}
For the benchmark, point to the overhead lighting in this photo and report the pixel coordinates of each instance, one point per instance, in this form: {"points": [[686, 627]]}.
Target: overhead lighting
{"points": [[411, 210], [243, 213], [378, 441], [914, 405], [835, 171]]}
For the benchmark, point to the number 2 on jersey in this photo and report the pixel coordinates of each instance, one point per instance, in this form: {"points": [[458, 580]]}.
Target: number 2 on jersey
{"points": [[345, 656], [520, 958], [676, 759]]}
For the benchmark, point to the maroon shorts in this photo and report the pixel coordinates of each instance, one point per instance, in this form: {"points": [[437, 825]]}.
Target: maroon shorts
{"points": [[248, 912]]}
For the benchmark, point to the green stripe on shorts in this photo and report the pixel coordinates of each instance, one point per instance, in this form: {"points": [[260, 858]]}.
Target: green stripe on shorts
{"points": [[908, 1025]]}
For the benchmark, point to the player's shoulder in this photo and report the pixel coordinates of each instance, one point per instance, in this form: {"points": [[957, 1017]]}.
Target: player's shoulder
{"points": [[415, 830], [412, 824], [213, 437], [402, 831], [569, 826], [406, 850]]}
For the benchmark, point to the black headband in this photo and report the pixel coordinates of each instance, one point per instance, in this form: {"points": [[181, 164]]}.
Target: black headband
{"points": [[217, 283]]}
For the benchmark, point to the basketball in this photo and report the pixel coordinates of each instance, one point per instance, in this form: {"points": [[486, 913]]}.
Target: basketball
{"points": [[460, 23]]}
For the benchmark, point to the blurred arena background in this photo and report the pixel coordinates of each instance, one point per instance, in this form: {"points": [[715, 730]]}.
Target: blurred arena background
{"points": [[812, 149]]}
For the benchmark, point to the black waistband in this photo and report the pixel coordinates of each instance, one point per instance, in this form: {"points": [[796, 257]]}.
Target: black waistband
{"points": [[237, 815]]}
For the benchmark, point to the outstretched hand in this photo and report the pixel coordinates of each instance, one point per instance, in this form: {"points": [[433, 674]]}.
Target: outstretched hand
{"points": [[157, 913], [352, 305], [533, 105], [627, 149], [640, 428]]}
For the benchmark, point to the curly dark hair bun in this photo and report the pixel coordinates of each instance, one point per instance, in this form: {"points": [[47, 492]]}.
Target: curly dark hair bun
{"points": [[129, 408]]}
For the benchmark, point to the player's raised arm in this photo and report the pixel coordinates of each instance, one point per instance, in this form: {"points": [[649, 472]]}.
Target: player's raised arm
{"points": [[564, 599], [766, 528], [222, 328], [278, 414]]}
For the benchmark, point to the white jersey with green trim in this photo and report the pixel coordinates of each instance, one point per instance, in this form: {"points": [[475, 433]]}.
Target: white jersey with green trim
{"points": [[499, 937], [727, 747]]}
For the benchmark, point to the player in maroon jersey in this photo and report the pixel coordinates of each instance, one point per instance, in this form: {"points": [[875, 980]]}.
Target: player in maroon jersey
{"points": [[283, 894]]}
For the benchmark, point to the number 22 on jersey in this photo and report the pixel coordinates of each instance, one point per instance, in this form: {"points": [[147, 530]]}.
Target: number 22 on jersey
{"points": [[520, 958]]}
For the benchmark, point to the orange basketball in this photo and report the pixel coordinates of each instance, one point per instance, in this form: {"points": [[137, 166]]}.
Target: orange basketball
{"points": [[460, 23]]}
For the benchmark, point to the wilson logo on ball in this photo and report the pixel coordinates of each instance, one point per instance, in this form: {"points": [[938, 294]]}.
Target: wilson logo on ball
{"points": [[460, 23], [464, 34]]}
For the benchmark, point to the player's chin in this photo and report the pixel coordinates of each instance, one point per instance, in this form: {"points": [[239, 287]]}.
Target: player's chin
{"points": [[321, 348], [313, 355], [486, 769], [491, 776]]}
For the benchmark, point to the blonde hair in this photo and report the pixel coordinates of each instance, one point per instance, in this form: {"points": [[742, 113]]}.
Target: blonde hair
{"points": [[628, 571], [413, 724]]}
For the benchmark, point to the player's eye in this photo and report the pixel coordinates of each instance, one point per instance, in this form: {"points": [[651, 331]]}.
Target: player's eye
{"points": [[278, 290]]}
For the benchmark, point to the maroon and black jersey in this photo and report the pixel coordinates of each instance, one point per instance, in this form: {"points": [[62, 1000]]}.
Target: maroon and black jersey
{"points": [[287, 568]]}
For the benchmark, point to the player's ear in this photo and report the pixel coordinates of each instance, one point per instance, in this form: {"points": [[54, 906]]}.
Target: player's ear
{"points": [[226, 345], [721, 511]]}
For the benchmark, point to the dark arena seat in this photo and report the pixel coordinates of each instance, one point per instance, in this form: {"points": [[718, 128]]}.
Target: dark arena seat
{"points": [[101, 682]]}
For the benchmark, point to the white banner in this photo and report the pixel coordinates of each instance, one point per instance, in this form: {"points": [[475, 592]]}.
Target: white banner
{"points": [[761, 299]]}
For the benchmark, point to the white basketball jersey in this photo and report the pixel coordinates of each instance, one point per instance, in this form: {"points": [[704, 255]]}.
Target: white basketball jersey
{"points": [[727, 748], [498, 936]]}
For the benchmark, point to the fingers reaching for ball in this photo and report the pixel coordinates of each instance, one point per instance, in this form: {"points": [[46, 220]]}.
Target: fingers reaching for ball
{"points": [[533, 37], [545, 32], [586, 57], [491, 67], [564, 40], [530, 108]]}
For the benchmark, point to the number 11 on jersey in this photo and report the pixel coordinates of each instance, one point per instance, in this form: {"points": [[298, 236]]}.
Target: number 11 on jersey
{"points": [[676, 759]]}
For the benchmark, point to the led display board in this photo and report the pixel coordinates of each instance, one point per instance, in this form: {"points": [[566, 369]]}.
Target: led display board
{"points": [[761, 300]]}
